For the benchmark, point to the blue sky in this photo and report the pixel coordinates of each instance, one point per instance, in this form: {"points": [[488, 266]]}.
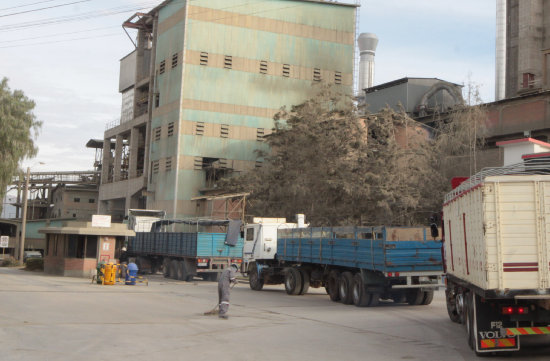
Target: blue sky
{"points": [[75, 82]]}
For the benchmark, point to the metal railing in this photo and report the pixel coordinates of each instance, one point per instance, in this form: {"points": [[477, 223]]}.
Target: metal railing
{"points": [[529, 167], [112, 124]]}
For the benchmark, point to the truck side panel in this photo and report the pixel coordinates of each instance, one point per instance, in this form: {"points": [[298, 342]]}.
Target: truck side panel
{"points": [[377, 255], [213, 245], [498, 234]]}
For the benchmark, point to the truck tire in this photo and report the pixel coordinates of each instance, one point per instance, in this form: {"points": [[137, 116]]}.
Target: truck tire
{"points": [[452, 309], [399, 297], [333, 285], [468, 313], [305, 281], [255, 282], [359, 294], [428, 297], [174, 269], [181, 270], [166, 267], [374, 299], [415, 296], [189, 270], [346, 288], [293, 281]]}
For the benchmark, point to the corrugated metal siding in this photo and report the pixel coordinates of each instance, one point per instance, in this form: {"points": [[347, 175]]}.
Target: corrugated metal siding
{"points": [[183, 244]]}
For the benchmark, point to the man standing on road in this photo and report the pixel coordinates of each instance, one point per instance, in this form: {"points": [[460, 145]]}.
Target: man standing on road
{"points": [[227, 278]]}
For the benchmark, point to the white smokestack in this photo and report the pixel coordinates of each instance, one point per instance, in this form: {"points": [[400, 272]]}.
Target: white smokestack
{"points": [[367, 47], [500, 51]]}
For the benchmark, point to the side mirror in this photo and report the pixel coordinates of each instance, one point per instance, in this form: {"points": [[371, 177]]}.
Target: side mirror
{"points": [[434, 230]]}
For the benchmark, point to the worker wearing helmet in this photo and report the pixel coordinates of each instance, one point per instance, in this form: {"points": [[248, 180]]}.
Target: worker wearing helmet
{"points": [[227, 278]]}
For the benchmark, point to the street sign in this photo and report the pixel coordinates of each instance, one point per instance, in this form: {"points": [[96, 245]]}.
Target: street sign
{"points": [[4, 241]]}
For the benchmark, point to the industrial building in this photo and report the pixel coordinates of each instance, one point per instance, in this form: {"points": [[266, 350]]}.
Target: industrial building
{"points": [[201, 88], [522, 47]]}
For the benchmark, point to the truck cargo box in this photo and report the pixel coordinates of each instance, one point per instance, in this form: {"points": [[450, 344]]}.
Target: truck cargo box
{"points": [[384, 249], [184, 244], [497, 233]]}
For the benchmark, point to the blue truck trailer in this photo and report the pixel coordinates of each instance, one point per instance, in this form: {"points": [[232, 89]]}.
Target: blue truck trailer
{"points": [[359, 265], [205, 252]]}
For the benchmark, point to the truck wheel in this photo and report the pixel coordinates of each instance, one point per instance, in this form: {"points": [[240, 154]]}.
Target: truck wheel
{"points": [[452, 311], [415, 296], [400, 297], [166, 267], [359, 294], [333, 285], [469, 321], [345, 288], [181, 270], [428, 297], [293, 281], [305, 281], [189, 270], [255, 282], [174, 269]]}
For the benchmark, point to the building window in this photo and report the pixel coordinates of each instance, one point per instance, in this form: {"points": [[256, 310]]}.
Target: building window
{"points": [[91, 200], [204, 58], [263, 67], [157, 100], [286, 70], [199, 128], [198, 163], [224, 131], [228, 62], [260, 134], [259, 164], [174, 60], [157, 132], [155, 166], [338, 77], [162, 66], [76, 200], [316, 74], [170, 129], [74, 215], [168, 165]]}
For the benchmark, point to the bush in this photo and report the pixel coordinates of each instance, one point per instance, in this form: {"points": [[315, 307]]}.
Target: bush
{"points": [[9, 262], [34, 264]]}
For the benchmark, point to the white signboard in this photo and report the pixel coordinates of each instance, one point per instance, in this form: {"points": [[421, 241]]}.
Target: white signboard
{"points": [[105, 246], [99, 220], [4, 241]]}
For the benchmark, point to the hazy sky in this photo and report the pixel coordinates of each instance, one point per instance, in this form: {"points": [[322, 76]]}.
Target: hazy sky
{"points": [[66, 58]]}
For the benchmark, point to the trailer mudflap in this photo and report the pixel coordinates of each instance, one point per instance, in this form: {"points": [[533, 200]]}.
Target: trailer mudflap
{"points": [[489, 328]]}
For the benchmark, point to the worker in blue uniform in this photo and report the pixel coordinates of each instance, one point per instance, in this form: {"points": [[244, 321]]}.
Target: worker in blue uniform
{"points": [[228, 277]]}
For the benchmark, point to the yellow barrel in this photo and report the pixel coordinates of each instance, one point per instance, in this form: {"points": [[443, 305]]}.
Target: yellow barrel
{"points": [[110, 274]]}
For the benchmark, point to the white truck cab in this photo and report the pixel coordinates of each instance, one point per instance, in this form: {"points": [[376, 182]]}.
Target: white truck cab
{"points": [[260, 237]]}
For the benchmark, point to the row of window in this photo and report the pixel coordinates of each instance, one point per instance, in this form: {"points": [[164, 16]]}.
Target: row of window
{"points": [[199, 164], [263, 67], [77, 200], [199, 130], [158, 131], [71, 246], [155, 165]]}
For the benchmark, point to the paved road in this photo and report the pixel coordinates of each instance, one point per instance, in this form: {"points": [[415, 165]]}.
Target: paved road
{"points": [[62, 318]]}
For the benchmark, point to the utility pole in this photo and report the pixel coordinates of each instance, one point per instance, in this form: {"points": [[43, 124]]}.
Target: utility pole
{"points": [[24, 220]]}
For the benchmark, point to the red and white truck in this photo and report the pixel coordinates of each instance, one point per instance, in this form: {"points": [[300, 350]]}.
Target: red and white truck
{"points": [[497, 254]]}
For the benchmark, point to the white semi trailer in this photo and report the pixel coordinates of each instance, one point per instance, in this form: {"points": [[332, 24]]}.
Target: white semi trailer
{"points": [[497, 254]]}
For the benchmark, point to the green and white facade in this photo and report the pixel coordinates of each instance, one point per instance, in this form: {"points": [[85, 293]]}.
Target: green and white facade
{"points": [[219, 71]]}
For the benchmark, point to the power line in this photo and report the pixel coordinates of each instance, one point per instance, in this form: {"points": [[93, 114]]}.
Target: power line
{"points": [[45, 8], [61, 41], [22, 6], [59, 34]]}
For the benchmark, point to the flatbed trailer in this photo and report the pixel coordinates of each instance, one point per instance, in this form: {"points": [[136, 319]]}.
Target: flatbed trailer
{"points": [[497, 244], [183, 255], [359, 265]]}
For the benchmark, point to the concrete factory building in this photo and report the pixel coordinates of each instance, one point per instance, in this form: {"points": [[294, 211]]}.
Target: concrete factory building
{"points": [[200, 91]]}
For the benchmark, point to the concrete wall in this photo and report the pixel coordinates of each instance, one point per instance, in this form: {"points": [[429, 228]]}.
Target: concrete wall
{"points": [[218, 111]]}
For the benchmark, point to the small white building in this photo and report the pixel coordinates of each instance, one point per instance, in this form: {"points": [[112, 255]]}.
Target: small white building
{"points": [[514, 150]]}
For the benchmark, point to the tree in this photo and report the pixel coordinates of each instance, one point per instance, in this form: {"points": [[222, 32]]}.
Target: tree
{"points": [[340, 168], [18, 129]]}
